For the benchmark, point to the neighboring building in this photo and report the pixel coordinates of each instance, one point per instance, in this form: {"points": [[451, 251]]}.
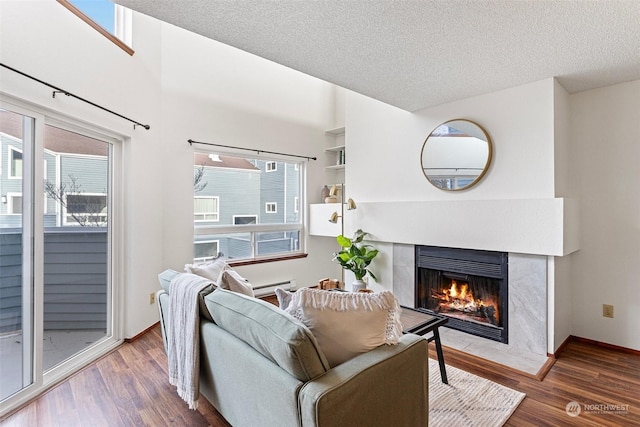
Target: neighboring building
{"points": [[71, 162], [74, 256], [237, 191]]}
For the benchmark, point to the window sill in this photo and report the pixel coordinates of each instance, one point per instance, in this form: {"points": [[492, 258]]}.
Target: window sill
{"points": [[264, 260]]}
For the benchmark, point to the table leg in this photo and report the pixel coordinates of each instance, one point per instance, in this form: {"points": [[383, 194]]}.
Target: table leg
{"points": [[443, 371]]}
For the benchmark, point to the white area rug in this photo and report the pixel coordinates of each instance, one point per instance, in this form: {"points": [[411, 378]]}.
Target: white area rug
{"points": [[468, 400]]}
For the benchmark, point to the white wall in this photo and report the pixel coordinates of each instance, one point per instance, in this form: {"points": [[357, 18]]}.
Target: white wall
{"points": [[219, 94], [547, 144], [514, 208], [560, 305], [185, 87], [384, 170], [384, 146], [605, 126], [44, 39]]}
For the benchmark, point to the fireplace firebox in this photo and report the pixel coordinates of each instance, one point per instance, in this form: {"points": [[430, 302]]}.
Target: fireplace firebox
{"points": [[470, 287]]}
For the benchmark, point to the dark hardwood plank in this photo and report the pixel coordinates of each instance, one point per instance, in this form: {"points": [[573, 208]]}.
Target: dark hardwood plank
{"points": [[129, 387], [583, 372]]}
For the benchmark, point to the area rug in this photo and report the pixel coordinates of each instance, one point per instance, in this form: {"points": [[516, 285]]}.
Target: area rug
{"points": [[468, 400]]}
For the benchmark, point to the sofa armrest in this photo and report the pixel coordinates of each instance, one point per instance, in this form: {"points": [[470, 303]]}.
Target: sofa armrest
{"points": [[385, 386]]}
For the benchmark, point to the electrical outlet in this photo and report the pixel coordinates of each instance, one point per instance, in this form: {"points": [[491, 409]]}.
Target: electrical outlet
{"points": [[152, 297], [607, 310]]}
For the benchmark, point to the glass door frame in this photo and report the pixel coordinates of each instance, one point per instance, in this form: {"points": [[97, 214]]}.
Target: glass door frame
{"points": [[33, 241]]}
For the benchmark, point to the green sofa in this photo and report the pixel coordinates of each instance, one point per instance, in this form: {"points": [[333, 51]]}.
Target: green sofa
{"points": [[261, 367]]}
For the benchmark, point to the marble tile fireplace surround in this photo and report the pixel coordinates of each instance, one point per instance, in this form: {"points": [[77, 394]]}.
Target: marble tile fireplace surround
{"points": [[527, 311]]}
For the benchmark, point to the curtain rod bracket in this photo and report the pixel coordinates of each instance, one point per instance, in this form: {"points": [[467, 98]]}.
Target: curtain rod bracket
{"points": [[53, 94]]}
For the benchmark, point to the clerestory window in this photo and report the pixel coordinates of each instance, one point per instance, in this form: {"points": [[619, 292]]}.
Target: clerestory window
{"points": [[109, 19]]}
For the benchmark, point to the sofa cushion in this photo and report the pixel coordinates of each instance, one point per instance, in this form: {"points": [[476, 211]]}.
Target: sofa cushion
{"points": [[270, 331], [346, 324], [167, 276]]}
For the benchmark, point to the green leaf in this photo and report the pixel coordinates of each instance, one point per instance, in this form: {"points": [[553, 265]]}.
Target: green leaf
{"points": [[345, 242]]}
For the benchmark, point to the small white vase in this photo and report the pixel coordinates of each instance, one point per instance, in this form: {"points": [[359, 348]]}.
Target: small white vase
{"points": [[358, 285]]}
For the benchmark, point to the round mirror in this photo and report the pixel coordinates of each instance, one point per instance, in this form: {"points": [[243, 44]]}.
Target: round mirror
{"points": [[456, 155]]}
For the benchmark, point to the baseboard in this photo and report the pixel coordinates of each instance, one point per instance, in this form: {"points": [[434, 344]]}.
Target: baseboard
{"points": [[481, 361], [604, 345], [135, 337], [561, 348]]}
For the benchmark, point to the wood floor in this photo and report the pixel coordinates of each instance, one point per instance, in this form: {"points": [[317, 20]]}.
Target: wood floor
{"points": [[129, 387]]}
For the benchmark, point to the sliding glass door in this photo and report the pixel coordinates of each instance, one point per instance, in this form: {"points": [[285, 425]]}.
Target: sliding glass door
{"points": [[16, 271], [56, 246], [76, 243]]}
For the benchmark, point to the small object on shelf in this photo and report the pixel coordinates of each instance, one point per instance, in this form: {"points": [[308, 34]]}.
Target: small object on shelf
{"points": [[328, 284], [325, 193], [331, 199]]}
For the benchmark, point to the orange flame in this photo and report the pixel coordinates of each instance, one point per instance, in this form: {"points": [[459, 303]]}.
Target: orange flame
{"points": [[460, 297]]}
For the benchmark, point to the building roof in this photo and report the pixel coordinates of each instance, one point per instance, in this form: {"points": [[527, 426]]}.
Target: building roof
{"points": [[55, 139], [216, 161]]}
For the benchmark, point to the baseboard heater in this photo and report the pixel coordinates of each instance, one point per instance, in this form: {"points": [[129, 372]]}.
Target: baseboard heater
{"points": [[270, 289]]}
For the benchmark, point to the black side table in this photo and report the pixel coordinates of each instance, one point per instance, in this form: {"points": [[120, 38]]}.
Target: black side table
{"points": [[420, 323]]}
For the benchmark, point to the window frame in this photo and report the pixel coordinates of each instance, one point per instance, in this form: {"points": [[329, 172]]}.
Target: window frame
{"points": [[11, 196], [10, 169], [198, 242], [271, 166], [65, 212], [43, 379], [217, 214], [244, 216], [271, 207], [254, 230], [118, 27]]}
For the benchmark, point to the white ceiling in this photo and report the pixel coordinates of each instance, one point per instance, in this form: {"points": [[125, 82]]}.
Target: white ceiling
{"points": [[415, 54]]}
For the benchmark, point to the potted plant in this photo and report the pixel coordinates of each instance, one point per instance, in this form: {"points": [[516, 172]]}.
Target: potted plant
{"points": [[356, 257]]}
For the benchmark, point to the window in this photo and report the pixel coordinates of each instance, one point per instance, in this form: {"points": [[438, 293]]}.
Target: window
{"points": [[271, 166], [15, 163], [205, 250], [258, 210], [111, 20], [245, 219], [86, 209], [271, 207], [14, 204], [205, 209]]}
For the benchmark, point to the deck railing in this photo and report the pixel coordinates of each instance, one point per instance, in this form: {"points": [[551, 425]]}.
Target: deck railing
{"points": [[75, 278]]}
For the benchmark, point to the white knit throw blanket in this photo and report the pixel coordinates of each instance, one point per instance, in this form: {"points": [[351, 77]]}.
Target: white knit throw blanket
{"points": [[183, 336]]}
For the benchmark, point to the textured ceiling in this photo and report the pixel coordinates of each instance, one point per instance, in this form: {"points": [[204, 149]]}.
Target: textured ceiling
{"points": [[415, 54]]}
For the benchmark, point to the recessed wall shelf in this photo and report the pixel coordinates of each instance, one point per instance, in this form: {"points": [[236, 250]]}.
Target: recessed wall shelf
{"points": [[336, 148], [336, 151], [335, 167], [336, 131]]}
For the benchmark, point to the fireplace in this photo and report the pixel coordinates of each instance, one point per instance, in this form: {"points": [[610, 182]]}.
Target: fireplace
{"points": [[470, 287]]}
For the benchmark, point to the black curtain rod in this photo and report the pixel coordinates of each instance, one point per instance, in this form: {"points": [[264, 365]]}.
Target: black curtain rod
{"points": [[58, 90], [191, 142]]}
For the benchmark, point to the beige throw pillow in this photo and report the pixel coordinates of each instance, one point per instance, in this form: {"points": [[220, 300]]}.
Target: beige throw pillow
{"points": [[346, 324], [229, 279]]}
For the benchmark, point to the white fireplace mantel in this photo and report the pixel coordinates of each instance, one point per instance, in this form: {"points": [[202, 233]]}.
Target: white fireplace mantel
{"points": [[528, 226]]}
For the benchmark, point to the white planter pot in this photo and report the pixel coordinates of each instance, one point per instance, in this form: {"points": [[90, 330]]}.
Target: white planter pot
{"points": [[358, 285]]}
